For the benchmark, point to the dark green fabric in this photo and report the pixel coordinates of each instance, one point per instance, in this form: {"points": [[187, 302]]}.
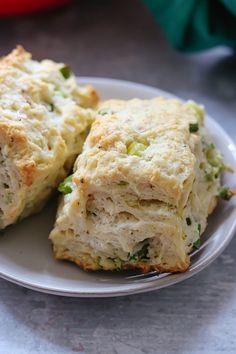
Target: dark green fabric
{"points": [[192, 25]]}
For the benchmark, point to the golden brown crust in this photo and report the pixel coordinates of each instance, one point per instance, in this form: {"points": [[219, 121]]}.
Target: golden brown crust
{"points": [[93, 97], [28, 172], [212, 204], [17, 56], [89, 265], [86, 262]]}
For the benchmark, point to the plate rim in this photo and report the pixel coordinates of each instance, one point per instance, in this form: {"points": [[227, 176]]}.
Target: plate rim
{"points": [[144, 286]]}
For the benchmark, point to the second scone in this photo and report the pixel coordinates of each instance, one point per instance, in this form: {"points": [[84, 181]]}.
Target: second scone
{"points": [[43, 123], [142, 188]]}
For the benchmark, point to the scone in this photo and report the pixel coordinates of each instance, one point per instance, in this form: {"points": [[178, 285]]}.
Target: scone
{"points": [[42, 128], [142, 188]]}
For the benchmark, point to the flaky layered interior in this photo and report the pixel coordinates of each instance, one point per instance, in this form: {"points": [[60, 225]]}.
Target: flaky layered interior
{"points": [[142, 188]]}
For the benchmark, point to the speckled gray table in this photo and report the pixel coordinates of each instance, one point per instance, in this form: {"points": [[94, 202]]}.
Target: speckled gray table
{"points": [[119, 39]]}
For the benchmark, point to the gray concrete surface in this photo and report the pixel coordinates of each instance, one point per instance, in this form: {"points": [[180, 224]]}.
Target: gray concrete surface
{"points": [[119, 39]]}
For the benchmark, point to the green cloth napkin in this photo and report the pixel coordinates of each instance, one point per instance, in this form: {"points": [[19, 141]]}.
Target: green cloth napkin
{"points": [[192, 25]]}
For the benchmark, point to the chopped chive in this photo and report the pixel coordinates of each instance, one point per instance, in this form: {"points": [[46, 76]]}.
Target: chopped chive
{"points": [[140, 254], [199, 228], [209, 177], [197, 244], [201, 166], [60, 93], [226, 193], [122, 183], [105, 111], [91, 213], [65, 187], [193, 127], [136, 149], [188, 221], [65, 71], [51, 107]]}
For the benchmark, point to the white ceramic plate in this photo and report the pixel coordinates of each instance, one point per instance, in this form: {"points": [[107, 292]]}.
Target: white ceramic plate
{"points": [[25, 252]]}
